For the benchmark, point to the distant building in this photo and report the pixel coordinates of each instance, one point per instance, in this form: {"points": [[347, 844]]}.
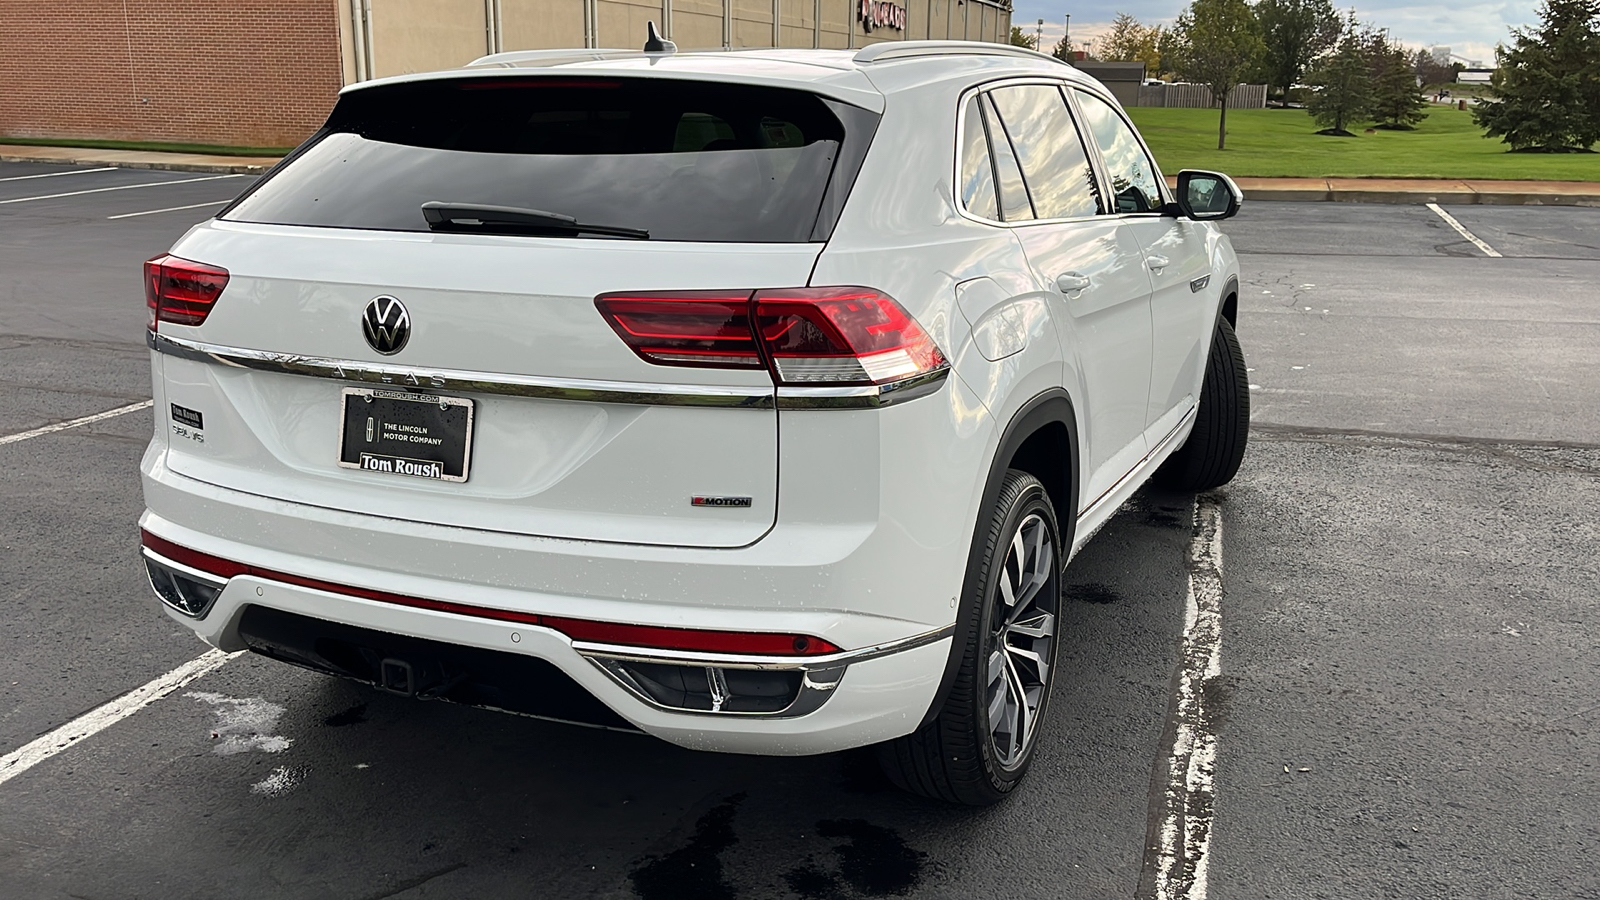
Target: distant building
{"points": [[1122, 79], [264, 73]]}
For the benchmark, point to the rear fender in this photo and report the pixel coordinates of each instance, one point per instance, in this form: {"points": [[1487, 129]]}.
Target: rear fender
{"points": [[1052, 407]]}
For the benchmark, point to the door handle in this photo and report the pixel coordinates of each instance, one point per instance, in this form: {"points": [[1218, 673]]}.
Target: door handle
{"points": [[1072, 282], [1157, 263]]}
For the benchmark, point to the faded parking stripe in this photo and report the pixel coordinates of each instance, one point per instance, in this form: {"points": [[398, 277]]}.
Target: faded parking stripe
{"points": [[1462, 229], [120, 187], [74, 423], [1176, 856], [54, 174], [103, 717]]}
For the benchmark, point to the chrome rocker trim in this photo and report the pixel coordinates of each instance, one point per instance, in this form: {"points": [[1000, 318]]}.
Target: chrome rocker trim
{"points": [[538, 387], [820, 674]]}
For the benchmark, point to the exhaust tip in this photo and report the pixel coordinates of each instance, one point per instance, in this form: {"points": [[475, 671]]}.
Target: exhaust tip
{"points": [[186, 590], [711, 689]]}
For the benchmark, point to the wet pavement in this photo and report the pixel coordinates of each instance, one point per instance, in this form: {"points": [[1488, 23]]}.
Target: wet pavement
{"points": [[1410, 651]]}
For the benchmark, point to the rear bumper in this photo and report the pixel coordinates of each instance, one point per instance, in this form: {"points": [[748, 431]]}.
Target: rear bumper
{"points": [[876, 688]]}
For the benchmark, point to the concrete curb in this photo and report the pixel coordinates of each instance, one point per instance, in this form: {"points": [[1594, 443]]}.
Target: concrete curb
{"points": [[133, 159], [1420, 191], [1443, 198]]}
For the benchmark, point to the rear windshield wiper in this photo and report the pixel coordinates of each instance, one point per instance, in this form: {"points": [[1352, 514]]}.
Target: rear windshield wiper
{"points": [[480, 217]]}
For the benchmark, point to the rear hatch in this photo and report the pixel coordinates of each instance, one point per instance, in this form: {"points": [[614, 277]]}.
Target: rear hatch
{"points": [[566, 430]]}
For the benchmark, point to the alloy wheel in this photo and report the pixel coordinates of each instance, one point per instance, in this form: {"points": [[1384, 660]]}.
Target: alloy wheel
{"points": [[1022, 637]]}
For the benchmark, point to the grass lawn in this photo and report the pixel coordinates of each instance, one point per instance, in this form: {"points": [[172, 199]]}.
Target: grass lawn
{"points": [[1274, 143]]}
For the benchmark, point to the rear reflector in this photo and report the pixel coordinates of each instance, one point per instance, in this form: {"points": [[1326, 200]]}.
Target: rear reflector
{"points": [[181, 291], [643, 636], [827, 335]]}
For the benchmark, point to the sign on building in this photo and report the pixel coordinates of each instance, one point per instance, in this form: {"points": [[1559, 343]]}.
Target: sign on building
{"points": [[875, 14]]}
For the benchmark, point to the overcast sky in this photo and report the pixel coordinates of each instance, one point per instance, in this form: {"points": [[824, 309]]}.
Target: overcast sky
{"points": [[1470, 30]]}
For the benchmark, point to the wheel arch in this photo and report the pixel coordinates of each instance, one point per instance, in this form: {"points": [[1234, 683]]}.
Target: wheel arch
{"points": [[1230, 301], [1042, 440]]}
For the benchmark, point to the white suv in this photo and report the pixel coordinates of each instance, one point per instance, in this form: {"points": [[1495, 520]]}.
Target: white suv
{"points": [[754, 400]]}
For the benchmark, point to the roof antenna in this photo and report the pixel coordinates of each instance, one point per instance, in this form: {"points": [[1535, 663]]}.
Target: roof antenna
{"points": [[655, 43]]}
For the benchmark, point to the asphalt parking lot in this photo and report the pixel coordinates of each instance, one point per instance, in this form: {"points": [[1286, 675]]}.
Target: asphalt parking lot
{"points": [[1409, 653]]}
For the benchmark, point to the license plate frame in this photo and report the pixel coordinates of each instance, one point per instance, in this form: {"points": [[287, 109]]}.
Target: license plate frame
{"points": [[422, 439]]}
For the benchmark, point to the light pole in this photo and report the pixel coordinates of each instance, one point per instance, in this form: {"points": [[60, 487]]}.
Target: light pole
{"points": [[1038, 36]]}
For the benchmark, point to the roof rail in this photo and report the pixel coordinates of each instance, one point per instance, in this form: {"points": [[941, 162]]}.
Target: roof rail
{"points": [[548, 57], [885, 51]]}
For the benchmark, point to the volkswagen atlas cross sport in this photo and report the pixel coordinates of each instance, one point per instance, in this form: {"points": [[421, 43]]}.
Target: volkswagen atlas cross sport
{"points": [[753, 400]]}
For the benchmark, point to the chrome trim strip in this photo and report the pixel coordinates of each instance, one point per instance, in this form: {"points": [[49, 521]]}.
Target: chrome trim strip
{"points": [[546, 388], [1138, 467], [190, 571], [465, 381], [594, 651], [862, 396]]}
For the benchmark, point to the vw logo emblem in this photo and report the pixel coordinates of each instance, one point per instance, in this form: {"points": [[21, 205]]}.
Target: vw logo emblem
{"points": [[386, 325]]}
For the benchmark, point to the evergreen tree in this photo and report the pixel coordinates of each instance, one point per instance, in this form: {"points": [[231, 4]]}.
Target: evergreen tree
{"points": [[1021, 39], [1547, 86], [1397, 102], [1063, 50], [1217, 42], [1343, 83], [1296, 34]]}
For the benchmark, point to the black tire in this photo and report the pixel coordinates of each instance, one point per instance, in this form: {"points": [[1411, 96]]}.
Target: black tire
{"points": [[1211, 456], [958, 756]]}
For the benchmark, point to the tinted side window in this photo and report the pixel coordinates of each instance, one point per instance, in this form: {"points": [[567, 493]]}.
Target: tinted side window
{"points": [[1051, 153], [1014, 204], [1132, 174], [977, 171]]}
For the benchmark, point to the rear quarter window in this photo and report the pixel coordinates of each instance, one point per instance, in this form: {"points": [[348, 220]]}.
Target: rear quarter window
{"points": [[683, 160]]}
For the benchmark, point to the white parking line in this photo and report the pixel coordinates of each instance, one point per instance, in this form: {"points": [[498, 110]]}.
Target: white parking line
{"points": [[74, 423], [1451, 221], [120, 187], [151, 212], [99, 719], [1184, 834], [54, 174]]}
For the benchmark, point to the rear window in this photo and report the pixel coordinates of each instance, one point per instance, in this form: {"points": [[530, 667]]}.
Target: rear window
{"points": [[681, 160]]}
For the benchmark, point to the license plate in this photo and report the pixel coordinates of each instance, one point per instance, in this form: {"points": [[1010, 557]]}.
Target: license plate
{"points": [[414, 435]]}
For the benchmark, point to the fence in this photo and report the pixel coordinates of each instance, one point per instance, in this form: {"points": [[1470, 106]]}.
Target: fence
{"points": [[1198, 96]]}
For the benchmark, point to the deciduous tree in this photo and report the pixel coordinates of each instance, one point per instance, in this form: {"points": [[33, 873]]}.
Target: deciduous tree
{"points": [[1547, 85], [1131, 41], [1430, 70], [1216, 43], [1296, 34]]}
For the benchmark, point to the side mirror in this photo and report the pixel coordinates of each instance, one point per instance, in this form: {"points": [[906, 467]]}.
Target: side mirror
{"points": [[1208, 196]]}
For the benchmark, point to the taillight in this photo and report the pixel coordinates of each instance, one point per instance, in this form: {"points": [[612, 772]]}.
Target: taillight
{"points": [[828, 335], [181, 291], [687, 328]]}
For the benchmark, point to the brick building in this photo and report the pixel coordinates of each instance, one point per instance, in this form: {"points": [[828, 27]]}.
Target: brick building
{"points": [[264, 73]]}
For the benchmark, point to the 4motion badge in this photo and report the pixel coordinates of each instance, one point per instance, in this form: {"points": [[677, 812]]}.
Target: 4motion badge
{"points": [[722, 501]]}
